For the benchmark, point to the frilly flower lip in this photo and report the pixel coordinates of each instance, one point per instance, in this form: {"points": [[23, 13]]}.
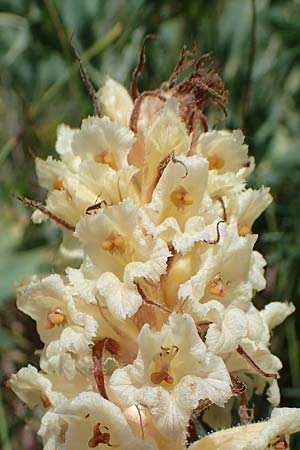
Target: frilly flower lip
{"points": [[172, 373], [50, 303], [65, 325], [122, 253]]}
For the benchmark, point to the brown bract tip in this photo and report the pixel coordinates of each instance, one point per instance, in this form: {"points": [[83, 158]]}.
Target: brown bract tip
{"points": [[86, 79], [203, 87], [141, 62], [36, 205], [197, 91]]}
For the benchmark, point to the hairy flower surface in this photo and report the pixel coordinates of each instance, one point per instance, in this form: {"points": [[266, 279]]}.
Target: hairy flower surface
{"points": [[272, 434], [152, 327]]}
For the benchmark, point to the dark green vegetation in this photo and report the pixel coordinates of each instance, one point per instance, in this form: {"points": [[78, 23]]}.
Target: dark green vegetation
{"points": [[256, 44]]}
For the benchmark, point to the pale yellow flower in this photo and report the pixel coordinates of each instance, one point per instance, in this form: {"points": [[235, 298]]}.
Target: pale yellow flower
{"points": [[272, 434], [172, 373]]}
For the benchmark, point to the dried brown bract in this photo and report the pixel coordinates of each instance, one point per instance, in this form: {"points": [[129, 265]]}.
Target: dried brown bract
{"points": [[201, 88]]}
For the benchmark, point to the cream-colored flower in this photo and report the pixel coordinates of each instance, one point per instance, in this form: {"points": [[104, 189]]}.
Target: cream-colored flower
{"points": [[52, 431], [261, 356], [226, 331], [94, 422], [166, 136], [66, 329], [228, 160], [35, 388], [276, 312], [50, 303], [246, 207], [94, 184], [94, 168], [104, 141], [115, 102], [122, 253], [179, 191], [222, 273], [51, 173], [270, 435], [69, 355], [224, 150], [172, 373]]}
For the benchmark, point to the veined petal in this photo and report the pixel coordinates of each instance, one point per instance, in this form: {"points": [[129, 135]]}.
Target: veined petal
{"points": [[170, 414]]}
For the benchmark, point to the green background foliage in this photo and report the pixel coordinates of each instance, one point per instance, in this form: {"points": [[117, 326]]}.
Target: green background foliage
{"points": [[256, 44]]}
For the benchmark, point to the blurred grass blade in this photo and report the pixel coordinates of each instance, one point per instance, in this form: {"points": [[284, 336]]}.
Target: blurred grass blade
{"points": [[294, 351], [4, 436], [8, 147], [95, 49]]}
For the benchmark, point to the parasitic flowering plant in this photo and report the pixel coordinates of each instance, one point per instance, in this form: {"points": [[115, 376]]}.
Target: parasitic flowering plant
{"points": [[152, 328]]}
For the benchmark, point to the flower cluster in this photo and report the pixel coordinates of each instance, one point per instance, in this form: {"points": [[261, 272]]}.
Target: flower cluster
{"points": [[152, 323]]}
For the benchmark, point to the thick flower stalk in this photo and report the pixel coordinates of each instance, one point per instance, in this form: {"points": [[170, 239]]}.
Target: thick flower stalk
{"points": [[152, 327]]}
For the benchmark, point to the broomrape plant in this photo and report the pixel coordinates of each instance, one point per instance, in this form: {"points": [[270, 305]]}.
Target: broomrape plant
{"points": [[157, 325]]}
